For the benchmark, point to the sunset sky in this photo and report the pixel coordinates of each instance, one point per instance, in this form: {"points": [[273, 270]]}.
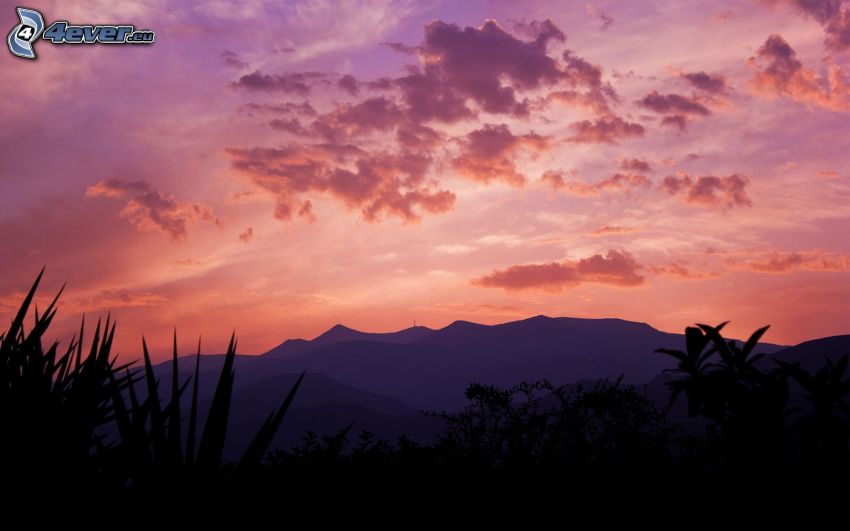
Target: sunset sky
{"points": [[276, 167]]}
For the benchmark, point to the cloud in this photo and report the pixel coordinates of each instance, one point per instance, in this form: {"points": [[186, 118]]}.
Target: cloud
{"points": [[350, 120], [672, 104], [787, 262], [678, 109], [453, 249], [462, 71], [112, 299], [119, 298], [594, 100], [778, 72], [679, 121], [580, 74], [681, 270], [635, 165], [713, 84], [605, 20], [833, 15], [488, 154], [303, 108], [417, 136], [619, 182], [349, 84], [605, 130], [609, 230], [709, 191], [485, 65], [617, 268], [246, 235], [401, 47], [298, 83], [232, 59], [292, 125], [150, 210], [377, 184]]}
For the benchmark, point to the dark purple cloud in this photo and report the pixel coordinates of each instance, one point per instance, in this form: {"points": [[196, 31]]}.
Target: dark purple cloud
{"points": [[292, 83], [232, 59], [713, 84], [672, 104], [484, 65], [292, 125], [833, 15], [303, 108], [349, 84]]}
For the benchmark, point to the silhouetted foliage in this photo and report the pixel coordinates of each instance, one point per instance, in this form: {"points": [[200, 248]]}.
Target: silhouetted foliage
{"points": [[79, 426], [69, 431]]}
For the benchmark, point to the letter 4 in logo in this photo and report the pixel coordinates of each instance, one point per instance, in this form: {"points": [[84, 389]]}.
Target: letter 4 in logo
{"points": [[22, 36]]}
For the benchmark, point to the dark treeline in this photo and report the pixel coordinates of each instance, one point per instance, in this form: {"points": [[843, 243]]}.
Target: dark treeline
{"points": [[767, 445]]}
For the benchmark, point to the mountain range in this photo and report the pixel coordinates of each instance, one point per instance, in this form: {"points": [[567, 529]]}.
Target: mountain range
{"points": [[378, 381]]}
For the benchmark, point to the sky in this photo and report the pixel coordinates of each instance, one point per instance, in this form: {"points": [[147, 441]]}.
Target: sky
{"points": [[277, 167]]}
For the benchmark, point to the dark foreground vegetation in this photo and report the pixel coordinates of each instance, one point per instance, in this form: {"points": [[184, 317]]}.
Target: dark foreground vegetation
{"points": [[767, 445]]}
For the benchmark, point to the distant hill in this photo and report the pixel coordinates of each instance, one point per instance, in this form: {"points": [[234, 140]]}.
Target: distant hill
{"points": [[431, 369], [342, 334], [811, 355], [379, 381]]}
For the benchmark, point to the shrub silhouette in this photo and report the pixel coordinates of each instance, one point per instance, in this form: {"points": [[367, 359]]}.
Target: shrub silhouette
{"points": [[57, 412]]}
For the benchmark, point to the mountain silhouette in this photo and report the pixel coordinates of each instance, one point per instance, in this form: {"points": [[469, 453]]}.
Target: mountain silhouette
{"points": [[340, 334], [430, 369], [811, 355], [378, 381]]}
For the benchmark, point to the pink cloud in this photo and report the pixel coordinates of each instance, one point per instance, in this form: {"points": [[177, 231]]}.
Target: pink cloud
{"points": [[786, 262], [617, 268], [609, 230], [778, 72], [351, 120], [619, 182], [150, 210], [605, 20], [605, 130], [635, 165], [246, 235], [392, 184], [709, 191], [488, 154]]}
